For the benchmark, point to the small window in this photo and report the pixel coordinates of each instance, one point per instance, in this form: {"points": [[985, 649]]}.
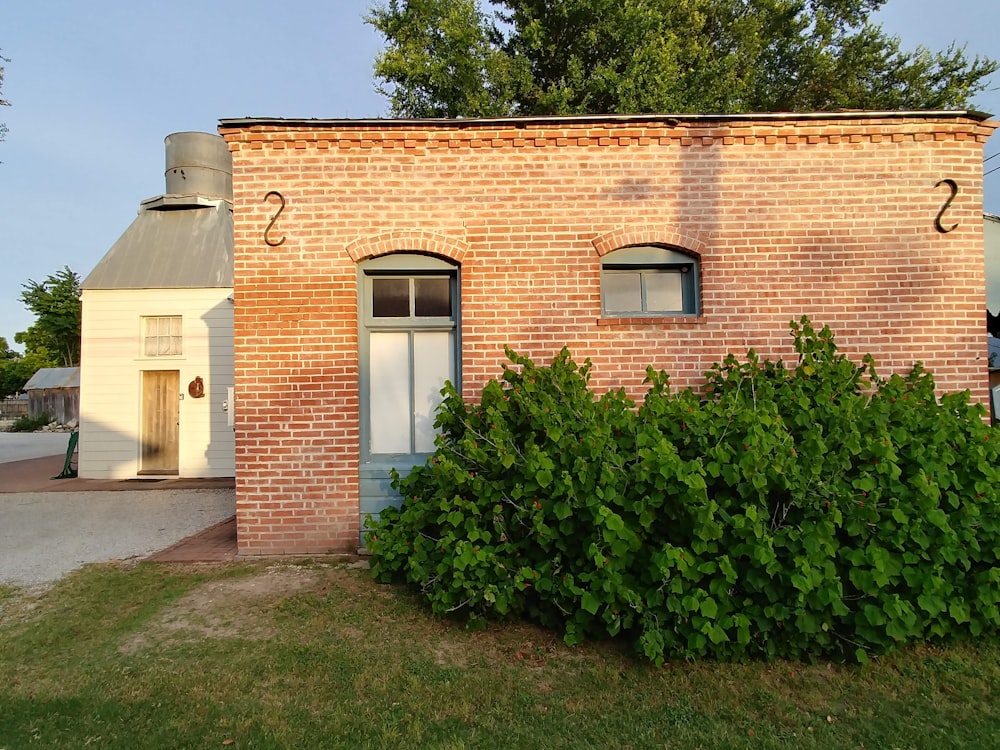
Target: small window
{"points": [[411, 297], [649, 280], [162, 336]]}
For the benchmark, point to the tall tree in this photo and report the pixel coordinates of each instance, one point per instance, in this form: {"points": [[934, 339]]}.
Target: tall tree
{"points": [[55, 303], [460, 58], [445, 58]]}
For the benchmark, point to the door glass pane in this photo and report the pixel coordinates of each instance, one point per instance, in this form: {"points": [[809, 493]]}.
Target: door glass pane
{"points": [[389, 392], [432, 365], [432, 297], [663, 291], [622, 291], [390, 297]]}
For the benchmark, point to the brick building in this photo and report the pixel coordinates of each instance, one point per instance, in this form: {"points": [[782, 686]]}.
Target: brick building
{"points": [[375, 258]]}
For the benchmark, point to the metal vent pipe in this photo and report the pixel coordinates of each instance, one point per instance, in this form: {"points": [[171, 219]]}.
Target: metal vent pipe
{"points": [[199, 164]]}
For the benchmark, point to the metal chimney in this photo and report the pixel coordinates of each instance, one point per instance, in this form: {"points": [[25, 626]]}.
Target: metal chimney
{"points": [[199, 164]]}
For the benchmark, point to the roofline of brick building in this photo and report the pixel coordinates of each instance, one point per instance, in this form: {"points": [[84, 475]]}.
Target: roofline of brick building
{"points": [[671, 119]]}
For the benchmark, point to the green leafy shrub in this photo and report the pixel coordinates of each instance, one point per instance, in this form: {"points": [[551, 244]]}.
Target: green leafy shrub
{"points": [[814, 510], [499, 519], [30, 424]]}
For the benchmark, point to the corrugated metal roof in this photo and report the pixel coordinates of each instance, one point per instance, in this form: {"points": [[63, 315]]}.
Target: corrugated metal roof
{"points": [[176, 242], [54, 377]]}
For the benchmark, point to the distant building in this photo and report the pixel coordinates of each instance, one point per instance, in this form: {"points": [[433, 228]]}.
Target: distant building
{"points": [[54, 391], [157, 348]]}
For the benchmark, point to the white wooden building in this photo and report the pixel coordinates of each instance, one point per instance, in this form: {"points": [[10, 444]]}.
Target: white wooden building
{"points": [[157, 348]]}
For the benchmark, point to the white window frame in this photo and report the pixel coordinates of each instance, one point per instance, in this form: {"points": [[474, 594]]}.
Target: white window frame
{"points": [[174, 341]]}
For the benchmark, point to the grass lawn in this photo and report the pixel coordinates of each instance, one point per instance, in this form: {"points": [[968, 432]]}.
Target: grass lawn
{"points": [[269, 655]]}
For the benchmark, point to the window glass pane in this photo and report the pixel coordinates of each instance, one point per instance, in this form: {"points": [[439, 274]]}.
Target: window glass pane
{"points": [[162, 336], [390, 297], [432, 365], [432, 297], [622, 291], [663, 291], [389, 392]]}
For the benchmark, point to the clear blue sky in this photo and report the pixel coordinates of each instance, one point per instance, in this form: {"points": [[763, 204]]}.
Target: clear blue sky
{"points": [[97, 85]]}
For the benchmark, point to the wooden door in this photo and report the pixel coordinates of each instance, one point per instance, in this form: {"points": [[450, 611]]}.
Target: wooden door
{"points": [[159, 438]]}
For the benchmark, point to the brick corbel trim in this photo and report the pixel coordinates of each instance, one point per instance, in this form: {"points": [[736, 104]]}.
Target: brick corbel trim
{"points": [[373, 246], [692, 242]]}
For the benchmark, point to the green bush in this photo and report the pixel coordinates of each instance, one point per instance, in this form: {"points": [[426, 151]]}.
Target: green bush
{"points": [[817, 510], [30, 424]]}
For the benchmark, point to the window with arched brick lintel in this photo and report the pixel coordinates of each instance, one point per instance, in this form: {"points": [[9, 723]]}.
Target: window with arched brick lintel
{"points": [[413, 240], [649, 280]]}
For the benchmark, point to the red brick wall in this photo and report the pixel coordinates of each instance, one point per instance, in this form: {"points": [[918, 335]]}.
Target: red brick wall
{"points": [[833, 218]]}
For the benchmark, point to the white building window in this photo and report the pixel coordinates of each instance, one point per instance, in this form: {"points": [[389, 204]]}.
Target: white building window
{"points": [[161, 335]]}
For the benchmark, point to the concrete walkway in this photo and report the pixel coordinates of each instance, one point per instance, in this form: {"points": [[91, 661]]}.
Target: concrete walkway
{"points": [[36, 475], [19, 446]]}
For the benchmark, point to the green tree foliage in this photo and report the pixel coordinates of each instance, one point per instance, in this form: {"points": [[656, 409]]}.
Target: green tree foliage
{"points": [[460, 58], [55, 303], [779, 512], [16, 370], [8, 360], [6, 352], [444, 60]]}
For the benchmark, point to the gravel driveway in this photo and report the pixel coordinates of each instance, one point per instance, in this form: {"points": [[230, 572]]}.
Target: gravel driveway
{"points": [[44, 535]]}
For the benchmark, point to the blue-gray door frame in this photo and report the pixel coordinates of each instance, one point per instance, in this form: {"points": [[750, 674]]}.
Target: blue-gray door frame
{"points": [[375, 488]]}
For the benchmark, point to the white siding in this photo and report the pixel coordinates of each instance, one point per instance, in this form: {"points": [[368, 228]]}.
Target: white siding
{"points": [[991, 239], [110, 379]]}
